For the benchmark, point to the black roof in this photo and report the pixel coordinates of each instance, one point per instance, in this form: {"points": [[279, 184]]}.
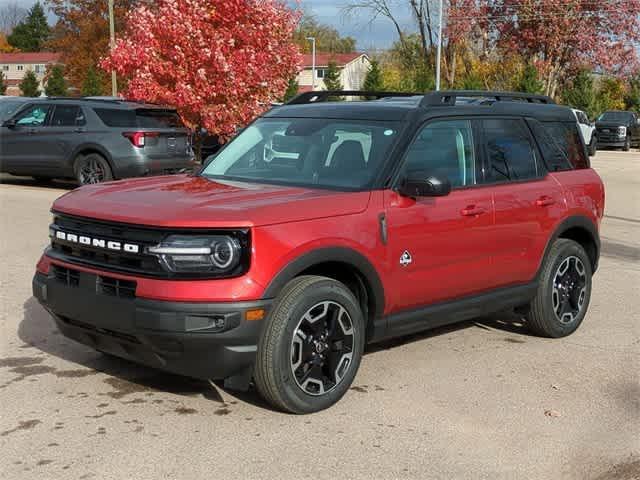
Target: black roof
{"points": [[395, 107]]}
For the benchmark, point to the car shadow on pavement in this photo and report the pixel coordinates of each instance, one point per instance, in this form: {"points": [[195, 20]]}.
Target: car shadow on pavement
{"points": [[38, 330], [30, 182]]}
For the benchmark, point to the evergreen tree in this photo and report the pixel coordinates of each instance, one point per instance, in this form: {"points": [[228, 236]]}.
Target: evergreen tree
{"points": [[332, 77], [632, 98], [3, 86], [292, 90], [529, 82], [56, 84], [581, 94], [29, 85], [373, 80], [92, 85], [31, 34]]}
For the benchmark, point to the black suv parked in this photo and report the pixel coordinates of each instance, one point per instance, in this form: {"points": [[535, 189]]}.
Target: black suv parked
{"points": [[618, 129], [93, 140]]}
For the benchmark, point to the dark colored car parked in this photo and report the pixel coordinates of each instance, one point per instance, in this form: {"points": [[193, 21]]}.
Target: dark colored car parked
{"points": [[618, 129], [93, 140], [324, 226]]}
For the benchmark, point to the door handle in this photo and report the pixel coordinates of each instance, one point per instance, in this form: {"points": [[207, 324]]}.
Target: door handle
{"points": [[80, 130], [472, 211], [545, 201]]}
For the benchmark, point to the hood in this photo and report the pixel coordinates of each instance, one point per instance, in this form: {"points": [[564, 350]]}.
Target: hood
{"points": [[611, 124], [197, 202]]}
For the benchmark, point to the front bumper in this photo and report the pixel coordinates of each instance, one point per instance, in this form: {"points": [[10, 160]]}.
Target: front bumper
{"points": [[179, 337]]}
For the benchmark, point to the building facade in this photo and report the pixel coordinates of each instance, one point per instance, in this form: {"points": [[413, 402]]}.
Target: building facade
{"points": [[353, 69], [15, 65]]}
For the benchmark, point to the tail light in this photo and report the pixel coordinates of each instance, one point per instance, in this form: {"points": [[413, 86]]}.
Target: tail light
{"points": [[138, 139]]}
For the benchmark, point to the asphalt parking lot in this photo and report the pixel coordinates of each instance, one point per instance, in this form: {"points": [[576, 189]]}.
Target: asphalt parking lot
{"points": [[482, 399]]}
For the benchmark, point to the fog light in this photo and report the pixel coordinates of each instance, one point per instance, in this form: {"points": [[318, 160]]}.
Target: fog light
{"points": [[214, 323]]}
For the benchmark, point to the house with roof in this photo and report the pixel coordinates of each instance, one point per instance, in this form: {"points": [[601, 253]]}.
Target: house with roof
{"points": [[353, 69], [15, 65]]}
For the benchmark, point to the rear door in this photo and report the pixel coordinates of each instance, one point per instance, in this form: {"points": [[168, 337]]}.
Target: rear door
{"points": [[58, 139], [440, 247], [528, 202]]}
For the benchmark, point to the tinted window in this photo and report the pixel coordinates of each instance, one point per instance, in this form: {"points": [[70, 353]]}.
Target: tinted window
{"points": [[616, 117], [444, 149], [158, 119], [34, 115], [67, 116], [332, 153], [510, 153], [8, 108], [555, 158], [112, 117], [567, 138]]}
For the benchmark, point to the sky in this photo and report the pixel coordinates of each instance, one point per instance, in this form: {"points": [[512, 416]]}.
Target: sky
{"points": [[379, 34]]}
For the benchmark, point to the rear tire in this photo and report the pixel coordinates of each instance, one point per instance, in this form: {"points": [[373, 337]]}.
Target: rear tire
{"points": [[311, 346], [627, 144], [91, 169], [564, 291]]}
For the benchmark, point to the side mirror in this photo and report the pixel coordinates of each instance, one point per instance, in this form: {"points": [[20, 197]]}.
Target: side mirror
{"points": [[11, 123], [419, 186]]}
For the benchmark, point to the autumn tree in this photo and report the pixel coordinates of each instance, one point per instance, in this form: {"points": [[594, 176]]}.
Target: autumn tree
{"points": [[4, 45], [219, 62], [81, 35], [632, 98], [56, 83], [31, 33], [560, 36], [3, 85], [29, 86], [328, 39]]}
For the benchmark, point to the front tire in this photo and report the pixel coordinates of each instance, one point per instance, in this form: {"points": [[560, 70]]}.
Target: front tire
{"points": [[91, 169], [593, 146], [627, 144], [311, 346], [564, 291]]}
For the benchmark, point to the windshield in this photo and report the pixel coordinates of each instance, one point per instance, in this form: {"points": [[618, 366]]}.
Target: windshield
{"points": [[8, 108], [615, 117], [332, 153]]}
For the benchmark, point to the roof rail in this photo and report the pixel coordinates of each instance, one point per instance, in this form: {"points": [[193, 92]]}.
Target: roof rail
{"points": [[317, 96], [87, 99], [449, 97]]}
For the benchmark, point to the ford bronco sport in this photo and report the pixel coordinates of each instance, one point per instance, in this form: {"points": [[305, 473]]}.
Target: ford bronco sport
{"points": [[324, 226]]}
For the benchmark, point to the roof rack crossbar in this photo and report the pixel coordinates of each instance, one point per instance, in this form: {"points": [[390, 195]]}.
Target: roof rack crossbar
{"points": [[449, 97], [317, 96]]}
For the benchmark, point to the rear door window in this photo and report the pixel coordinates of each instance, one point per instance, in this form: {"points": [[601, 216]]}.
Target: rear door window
{"points": [[510, 152], [67, 116]]}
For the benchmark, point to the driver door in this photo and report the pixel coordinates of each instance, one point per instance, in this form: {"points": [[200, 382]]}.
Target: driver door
{"points": [[440, 247], [20, 149]]}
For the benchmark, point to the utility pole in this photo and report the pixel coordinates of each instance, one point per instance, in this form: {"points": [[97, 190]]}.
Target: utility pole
{"points": [[439, 48], [313, 62], [112, 43]]}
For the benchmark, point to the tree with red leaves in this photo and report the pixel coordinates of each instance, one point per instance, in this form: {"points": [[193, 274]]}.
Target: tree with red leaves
{"points": [[560, 36], [219, 62]]}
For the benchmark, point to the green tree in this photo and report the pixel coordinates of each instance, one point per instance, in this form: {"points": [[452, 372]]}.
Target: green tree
{"points": [[529, 81], [373, 80], [632, 98], [29, 85], [581, 94], [472, 81], [3, 86], [327, 38], [292, 90], [92, 85], [332, 77], [611, 95], [56, 83], [31, 34]]}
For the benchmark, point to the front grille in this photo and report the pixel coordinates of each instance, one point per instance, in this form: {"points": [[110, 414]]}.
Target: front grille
{"points": [[139, 263], [67, 276], [116, 287], [611, 135]]}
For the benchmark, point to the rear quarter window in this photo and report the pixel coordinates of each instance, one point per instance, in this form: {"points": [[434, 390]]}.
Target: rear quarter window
{"points": [[113, 117], [140, 118], [561, 145]]}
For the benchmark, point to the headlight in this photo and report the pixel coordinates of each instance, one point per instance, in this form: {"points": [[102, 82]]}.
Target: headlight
{"points": [[198, 254], [622, 131]]}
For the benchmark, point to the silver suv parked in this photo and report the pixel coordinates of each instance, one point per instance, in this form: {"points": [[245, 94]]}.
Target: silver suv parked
{"points": [[93, 140]]}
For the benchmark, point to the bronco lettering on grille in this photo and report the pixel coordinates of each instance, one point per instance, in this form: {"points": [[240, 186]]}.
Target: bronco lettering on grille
{"points": [[98, 242]]}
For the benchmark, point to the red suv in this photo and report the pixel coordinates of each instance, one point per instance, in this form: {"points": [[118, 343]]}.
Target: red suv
{"points": [[324, 226]]}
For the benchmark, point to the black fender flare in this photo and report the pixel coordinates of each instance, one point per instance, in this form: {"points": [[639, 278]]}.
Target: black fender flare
{"points": [[330, 254], [574, 221]]}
